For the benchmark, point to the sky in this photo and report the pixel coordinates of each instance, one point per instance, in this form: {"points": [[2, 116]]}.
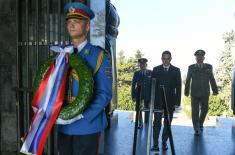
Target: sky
{"points": [[180, 26]]}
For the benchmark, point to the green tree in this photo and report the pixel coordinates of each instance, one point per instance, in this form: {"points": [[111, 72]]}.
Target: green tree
{"points": [[138, 54], [223, 73], [121, 57]]}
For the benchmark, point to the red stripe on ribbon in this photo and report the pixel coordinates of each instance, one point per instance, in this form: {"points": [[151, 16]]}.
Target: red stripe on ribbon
{"points": [[39, 94], [41, 89], [54, 114]]}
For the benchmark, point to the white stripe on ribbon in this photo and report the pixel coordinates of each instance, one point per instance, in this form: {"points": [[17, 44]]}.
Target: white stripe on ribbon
{"points": [[33, 130], [58, 49], [46, 96]]}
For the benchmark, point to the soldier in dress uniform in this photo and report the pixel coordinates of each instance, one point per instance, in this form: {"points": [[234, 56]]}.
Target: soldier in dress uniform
{"points": [[198, 78], [81, 137], [143, 77]]}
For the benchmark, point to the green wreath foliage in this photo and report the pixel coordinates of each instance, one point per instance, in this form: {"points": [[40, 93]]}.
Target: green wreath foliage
{"points": [[86, 85]]}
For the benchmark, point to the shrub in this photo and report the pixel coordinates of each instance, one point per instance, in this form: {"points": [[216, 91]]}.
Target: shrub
{"points": [[217, 106], [124, 98], [187, 106]]}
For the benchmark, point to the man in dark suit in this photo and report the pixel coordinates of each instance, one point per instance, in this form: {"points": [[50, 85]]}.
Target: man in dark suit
{"points": [[201, 75], [143, 77], [169, 76]]}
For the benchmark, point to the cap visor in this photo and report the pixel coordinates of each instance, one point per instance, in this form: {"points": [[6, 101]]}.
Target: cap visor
{"points": [[76, 17]]}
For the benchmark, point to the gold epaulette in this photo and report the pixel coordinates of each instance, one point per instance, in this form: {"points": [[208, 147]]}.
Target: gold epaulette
{"points": [[99, 61]]}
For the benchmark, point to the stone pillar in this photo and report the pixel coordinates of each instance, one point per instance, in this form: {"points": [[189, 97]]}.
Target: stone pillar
{"points": [[7, 76]]}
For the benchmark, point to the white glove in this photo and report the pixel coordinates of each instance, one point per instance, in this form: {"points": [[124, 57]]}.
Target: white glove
{"points": [[64, 122]]}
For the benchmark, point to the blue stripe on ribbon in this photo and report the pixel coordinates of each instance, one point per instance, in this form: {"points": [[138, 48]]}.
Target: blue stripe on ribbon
{"points": [[51, 103]]}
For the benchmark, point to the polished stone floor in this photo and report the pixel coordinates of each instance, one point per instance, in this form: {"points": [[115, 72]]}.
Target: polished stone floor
{"points": [[218, 137]]}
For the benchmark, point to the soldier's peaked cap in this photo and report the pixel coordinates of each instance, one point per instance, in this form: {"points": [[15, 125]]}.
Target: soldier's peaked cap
{"points": [[78, 10], [200, 52], [142, 60]]}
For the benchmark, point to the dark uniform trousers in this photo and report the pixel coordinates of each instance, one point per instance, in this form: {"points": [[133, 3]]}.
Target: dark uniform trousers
{"points": [[78, 144], [195, 103], [157, 124]]}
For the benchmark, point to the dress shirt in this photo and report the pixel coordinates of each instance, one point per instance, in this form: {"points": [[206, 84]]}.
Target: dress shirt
{"points": [[80, 46], [166, 68], [143, 72], [200, 65]]}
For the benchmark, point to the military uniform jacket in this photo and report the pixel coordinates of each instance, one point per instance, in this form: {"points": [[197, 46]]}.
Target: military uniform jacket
{"points": [[171, 80], [94, 118], [144, 78], [198, 78]]}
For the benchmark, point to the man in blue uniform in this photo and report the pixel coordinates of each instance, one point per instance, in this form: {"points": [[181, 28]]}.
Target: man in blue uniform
{"points": [[143, 77], [81, 137]]}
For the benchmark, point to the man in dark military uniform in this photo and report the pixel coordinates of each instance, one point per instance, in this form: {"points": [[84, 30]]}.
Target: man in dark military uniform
{"points": [[143, 77], [168, 75], [198, 78]]}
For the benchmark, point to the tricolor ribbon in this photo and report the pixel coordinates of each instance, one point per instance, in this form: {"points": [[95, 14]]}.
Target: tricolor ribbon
{"points": [[47, 102]]}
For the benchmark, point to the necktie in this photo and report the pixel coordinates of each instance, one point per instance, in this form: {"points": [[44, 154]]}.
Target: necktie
{"points": [[200, 65], [165, 69], [142, 73], [75, 50]]}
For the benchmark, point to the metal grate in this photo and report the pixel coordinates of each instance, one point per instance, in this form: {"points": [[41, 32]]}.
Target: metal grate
{"points": [[40, 23]]}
